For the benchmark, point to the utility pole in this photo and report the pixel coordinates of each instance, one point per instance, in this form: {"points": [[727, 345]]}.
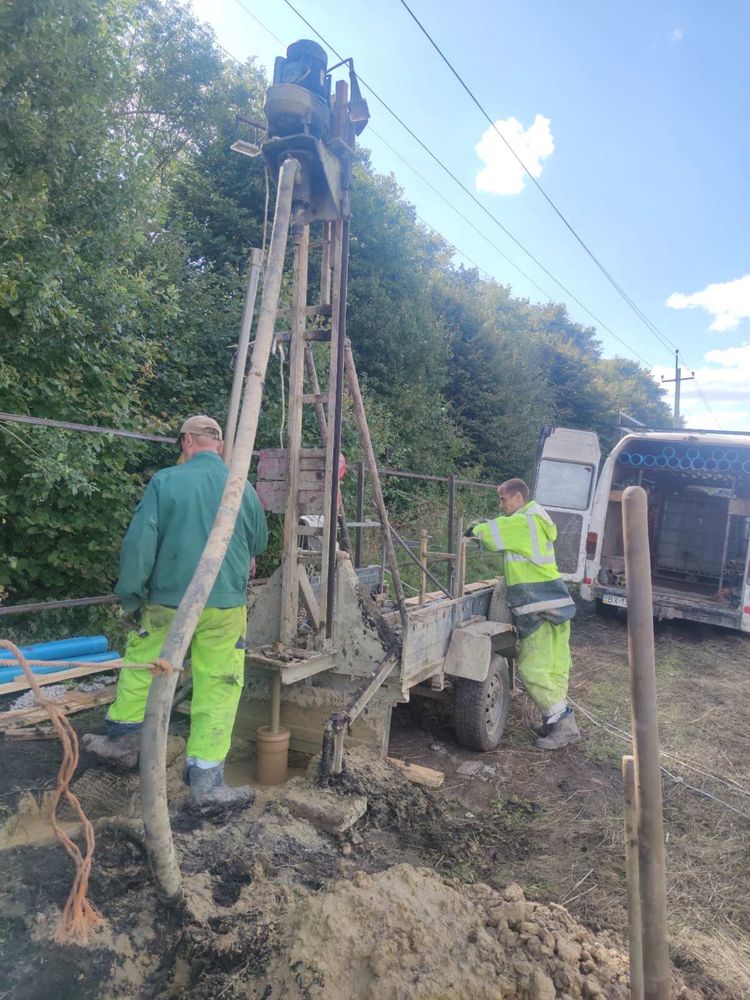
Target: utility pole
{"points": [[678, 379]]}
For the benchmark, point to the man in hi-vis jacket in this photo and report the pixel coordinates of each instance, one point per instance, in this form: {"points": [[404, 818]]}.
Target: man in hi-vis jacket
{"points": [[540, 604]]}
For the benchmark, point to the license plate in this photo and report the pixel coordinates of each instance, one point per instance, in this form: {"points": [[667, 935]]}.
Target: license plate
{"points": [[616, 600]]}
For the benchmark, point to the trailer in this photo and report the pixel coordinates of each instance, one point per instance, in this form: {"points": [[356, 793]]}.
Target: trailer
{"points": [[698, 486]]}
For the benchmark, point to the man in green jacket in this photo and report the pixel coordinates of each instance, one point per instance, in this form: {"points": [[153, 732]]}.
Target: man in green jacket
{"points": [[159, 555], [540, 604]]}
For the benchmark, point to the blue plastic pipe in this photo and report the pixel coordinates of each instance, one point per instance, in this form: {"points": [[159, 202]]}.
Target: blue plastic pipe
{"points": [[61, 649], [11, 673]]}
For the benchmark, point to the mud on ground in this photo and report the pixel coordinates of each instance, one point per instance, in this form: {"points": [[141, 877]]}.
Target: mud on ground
{"points": [[422, 898]]}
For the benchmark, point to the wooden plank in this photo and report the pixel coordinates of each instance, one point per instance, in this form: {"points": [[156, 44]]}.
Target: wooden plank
{"points": [[428, 777], [272, 462], [76, 701], [63, 675], [272, 495], [295, 478], [308, 596]]}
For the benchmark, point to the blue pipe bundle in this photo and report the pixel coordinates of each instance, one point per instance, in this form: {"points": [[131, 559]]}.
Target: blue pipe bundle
{"points": [[11, 673], [61, 649]]}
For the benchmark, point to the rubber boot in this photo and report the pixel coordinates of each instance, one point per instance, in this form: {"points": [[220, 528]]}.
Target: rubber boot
{"points": [[561, 734], [541, 728], [209, 793], [120, 747]]}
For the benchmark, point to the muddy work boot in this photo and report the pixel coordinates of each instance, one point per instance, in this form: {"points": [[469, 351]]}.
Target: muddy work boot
{"points": [[209, 793], [561, 733], [120, 747]]}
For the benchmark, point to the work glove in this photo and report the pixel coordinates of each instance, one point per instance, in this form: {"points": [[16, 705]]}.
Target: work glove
{"points": [[469, 533]]}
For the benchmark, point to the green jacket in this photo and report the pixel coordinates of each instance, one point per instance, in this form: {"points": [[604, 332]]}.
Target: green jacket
{"points": [[536, 591], [169, 530]]}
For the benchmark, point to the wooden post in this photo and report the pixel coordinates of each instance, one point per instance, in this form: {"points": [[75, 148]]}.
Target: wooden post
{"points": [[372, 468], [632, 874], [423, 542], [653, 892], [360, 514], [154, 800], [290, 571]]}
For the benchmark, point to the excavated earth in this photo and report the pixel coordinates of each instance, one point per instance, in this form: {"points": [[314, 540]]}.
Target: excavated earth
{"points": [[275, 908]]}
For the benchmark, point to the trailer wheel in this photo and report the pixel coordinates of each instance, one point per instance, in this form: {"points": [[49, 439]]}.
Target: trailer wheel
{"points": [[480, 711]]}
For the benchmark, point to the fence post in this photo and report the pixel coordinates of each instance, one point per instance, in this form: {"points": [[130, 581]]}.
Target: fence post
{"points": [[360, 514], [451, 547]]}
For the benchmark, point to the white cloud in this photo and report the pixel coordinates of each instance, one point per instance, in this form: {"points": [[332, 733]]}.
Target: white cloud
{"points": [[728, 302], [677, 35], [503, 174]]}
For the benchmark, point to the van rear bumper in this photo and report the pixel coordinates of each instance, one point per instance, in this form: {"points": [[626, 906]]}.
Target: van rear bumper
{"points": [[671, 604]]}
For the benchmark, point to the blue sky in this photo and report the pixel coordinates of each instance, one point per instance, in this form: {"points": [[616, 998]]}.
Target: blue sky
{"points": [[633, 117]]}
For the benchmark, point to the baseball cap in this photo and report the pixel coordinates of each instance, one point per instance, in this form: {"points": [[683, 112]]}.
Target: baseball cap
{"points": [[202, 425]]}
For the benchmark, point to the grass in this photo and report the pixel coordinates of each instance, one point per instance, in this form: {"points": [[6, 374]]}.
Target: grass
{"points": [[704, 703]]}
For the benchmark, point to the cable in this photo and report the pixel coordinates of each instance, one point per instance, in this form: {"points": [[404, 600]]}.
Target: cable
{"points": [[661, 337], [458, 212], [259, 22], [466, 190]]}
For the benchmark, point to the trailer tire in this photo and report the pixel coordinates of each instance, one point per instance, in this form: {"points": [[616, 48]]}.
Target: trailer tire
{"points": [[480, 710]]}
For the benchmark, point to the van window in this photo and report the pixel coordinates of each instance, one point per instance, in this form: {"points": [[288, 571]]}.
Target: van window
{"points": [[564, 484]]}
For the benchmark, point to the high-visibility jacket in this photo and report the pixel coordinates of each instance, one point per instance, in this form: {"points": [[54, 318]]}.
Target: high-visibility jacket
{"points": [[536, 591]]}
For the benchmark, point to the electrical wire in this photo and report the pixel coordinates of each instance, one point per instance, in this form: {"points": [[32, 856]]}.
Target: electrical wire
{"points": [[661, 337], [465, 189], [600, 323], [627, 738]]}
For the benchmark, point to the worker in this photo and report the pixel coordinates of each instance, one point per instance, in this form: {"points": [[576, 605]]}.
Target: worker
{"points": [[159, 555], [540, 605]]}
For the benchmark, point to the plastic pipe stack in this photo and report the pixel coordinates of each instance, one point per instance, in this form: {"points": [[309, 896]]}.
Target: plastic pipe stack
{"points": [[84, 648], [697, 459]]}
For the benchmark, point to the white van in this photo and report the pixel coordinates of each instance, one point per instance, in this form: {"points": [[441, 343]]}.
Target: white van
{"points": [[698, 486]]}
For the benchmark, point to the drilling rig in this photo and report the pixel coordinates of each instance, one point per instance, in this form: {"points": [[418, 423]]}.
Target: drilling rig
{"points": [[325, 655]]}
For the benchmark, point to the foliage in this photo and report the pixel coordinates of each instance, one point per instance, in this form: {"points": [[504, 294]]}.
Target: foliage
{"points": [[124, 237]]}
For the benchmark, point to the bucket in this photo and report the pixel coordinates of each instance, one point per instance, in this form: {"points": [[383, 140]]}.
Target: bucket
{"points": [[272, 755]]}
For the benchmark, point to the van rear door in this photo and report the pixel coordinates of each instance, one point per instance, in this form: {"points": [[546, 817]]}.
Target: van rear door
{"points": [[566, 472]]}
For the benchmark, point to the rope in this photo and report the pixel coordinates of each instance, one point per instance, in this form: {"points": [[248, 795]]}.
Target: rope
{"points": [[80, 916]]}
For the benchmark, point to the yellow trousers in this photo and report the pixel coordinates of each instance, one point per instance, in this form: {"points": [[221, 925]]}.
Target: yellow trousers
{"points": [[217, 655], [544, 664]]}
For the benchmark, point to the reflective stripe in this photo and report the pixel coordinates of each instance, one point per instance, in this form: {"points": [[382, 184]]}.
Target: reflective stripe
{"points": [[518, 558], [497, 538], [536, 549], [529, 609], [539, 511], [555, 712]]}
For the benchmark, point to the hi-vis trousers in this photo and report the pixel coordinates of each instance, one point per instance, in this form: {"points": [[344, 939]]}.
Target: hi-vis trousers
{"points": [[217, 654], [544, 664]]}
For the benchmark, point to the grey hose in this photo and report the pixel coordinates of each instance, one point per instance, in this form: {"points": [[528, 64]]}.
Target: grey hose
{"points": [[158, 832]]}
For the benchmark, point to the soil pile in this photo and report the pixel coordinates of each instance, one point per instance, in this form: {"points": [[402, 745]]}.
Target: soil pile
{"points": [[276, 908], [406, 934]]}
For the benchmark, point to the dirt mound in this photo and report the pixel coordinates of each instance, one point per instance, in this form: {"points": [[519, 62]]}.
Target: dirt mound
{"points": [[406, 934]]}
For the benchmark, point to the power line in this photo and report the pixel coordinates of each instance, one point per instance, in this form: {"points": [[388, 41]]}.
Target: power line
{"points": [[470, 194], [661, 337], [458, 212], [449, 203]]}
